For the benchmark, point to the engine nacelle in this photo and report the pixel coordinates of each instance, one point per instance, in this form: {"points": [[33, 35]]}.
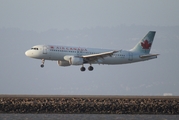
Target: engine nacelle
{"points": [[63, 63], [76, 60]]}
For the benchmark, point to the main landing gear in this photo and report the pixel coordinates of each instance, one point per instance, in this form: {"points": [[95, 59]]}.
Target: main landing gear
{"points": [[82, 68], [90, 68], [42, 65]]}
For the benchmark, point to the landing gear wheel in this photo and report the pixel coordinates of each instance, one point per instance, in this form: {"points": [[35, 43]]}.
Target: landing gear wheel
{"points": [[82, 69], [90, 68], [42, 66]]}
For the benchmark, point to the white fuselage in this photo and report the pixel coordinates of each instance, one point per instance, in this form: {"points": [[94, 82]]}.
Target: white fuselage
{"points": [[57, 53], [69, 55]]}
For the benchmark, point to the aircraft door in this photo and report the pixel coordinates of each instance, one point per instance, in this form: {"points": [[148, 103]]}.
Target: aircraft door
{"points": [[130, 56], [44, 50], [79, 53]]}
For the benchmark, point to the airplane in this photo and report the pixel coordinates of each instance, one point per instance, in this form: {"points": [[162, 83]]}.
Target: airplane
{"points": [[70, 55]]}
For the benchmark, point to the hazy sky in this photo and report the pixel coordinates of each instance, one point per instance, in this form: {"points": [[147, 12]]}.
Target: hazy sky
{"points": [[41, 15], [114, 24]]}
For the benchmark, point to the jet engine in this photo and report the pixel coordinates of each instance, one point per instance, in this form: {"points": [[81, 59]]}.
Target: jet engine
{"points": [[63, 63], [76, 60]]}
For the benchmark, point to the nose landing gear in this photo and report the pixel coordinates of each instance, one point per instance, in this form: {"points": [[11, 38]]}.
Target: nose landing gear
{"points": [[42, 65]]}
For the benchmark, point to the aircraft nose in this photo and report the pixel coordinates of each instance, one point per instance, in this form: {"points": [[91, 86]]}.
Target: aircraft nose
{"points": [[27, 53]]}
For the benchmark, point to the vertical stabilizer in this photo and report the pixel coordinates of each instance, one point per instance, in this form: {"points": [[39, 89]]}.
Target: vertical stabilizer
{"points": [[145, 44]]}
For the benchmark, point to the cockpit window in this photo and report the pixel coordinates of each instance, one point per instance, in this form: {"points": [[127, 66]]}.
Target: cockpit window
{"points": [[34, 49]]}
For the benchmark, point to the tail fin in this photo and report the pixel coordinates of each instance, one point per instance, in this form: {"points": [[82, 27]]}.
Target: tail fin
{"points": [[145, 44]]}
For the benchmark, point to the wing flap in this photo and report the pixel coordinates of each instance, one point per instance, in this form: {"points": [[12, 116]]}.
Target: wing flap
{"points": [[94, 57]]}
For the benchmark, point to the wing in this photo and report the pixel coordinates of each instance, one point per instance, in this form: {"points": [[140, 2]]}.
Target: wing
{"points": [[95, 57]]}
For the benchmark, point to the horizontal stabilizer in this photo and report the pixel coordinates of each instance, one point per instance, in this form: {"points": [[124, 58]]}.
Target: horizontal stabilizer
{"points": [[148, 55]]}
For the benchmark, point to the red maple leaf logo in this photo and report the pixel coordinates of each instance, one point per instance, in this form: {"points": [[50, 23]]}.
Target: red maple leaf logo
{"points": [[146, 44], [52, 47]]}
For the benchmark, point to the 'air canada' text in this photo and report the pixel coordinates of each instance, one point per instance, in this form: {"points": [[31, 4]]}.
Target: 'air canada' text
{"points": [[67, 48]]}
